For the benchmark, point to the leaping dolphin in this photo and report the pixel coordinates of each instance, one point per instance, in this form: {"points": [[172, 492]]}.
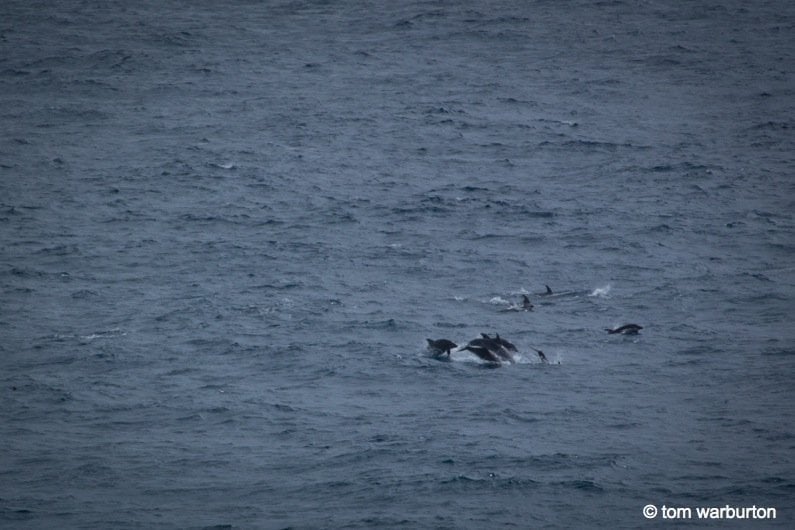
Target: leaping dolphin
{"points": [[482, 352], [504, 343], [541, 355], [441, 345], [493, 347]]}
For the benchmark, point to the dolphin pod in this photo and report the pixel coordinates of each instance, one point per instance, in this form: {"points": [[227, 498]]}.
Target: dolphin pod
{"points": [[497, 350], [492, 349]]}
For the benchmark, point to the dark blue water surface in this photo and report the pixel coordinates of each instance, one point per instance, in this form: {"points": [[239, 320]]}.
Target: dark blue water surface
{"points": [[227, 229]]}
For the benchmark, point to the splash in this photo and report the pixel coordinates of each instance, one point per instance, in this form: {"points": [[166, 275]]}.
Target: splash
{"points": [[498, 300], [115, 332], [601, 291], [223, 165]]}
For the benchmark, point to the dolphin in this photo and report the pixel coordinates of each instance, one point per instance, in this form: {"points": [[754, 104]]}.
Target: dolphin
{"points": [[626, 329], [492, 346], [541, 355], [504, 343], [482, 352], [441, 345], [526, 304]]}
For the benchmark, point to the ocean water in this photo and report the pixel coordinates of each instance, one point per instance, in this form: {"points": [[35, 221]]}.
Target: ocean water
{"points": [[227, 229]]}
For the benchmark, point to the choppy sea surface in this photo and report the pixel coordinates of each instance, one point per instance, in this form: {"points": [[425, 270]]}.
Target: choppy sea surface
{"points": [[227, 229]]}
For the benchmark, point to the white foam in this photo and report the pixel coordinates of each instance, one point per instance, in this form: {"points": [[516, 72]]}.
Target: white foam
{"points": [[115, 332], [601, 291], [498, 300]]}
